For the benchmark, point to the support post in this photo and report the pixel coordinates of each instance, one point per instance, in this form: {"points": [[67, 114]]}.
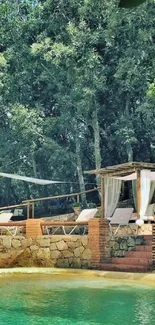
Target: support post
{"points": [[102, 198], [28, 210], [33, 210], [138, 190]]}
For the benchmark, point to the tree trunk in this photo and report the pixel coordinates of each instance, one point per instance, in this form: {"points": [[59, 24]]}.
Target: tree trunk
{"points": [[96, 129], [129, 152], [34, 165], [27, 190], [79, 169], [129, 149], [39, 188]]}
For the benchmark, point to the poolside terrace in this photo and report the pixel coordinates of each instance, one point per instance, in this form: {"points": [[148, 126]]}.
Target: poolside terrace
{"points": [[132, 248]]}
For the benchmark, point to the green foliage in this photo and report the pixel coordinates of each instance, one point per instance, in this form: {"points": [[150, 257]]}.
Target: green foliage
{"points": [[151, 91], [130, 3], [75, 94]]}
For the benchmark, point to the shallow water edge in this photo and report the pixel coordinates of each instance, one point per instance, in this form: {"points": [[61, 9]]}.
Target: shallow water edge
{"points": [[134, 278]]}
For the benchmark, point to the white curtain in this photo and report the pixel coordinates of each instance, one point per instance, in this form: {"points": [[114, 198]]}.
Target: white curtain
{"points": [[112, 188], [134, 191], [130, 177], [145, 191], [152, 189]]}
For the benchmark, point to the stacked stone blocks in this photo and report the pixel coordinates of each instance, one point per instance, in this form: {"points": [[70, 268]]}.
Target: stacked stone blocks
{"points": [[48, 251]]}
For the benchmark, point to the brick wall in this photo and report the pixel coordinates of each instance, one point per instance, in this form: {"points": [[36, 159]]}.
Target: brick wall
{"points": [[98, 241]]}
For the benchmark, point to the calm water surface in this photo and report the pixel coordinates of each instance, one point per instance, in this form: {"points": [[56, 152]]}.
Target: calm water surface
{"points": [[34, 300]]}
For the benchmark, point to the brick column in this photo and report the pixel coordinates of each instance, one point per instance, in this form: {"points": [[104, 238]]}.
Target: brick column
{"points": [[33, 227], [98, 241], [153, 246]]}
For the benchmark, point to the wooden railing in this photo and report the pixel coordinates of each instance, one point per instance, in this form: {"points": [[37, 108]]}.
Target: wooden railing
{"points": [[37, 227], [63, 223], [12, 223], [30, 204]]}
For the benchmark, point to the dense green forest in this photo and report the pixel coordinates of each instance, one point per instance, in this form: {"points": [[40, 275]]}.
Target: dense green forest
{"points": [[76, 91]]}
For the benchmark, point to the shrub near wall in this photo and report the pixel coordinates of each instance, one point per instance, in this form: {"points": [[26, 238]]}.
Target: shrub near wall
{"points": [[48, 251]]}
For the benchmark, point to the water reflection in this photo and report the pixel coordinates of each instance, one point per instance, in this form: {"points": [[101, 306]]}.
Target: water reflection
{"points": [[144, 308]]}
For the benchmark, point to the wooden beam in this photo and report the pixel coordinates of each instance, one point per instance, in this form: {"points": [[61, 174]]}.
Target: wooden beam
{"points": [[122, 168], [63, 223], [113, 173], [13, 223], [32, 210], [13, 206], [138, 190], [28, 210], [120, 173]]}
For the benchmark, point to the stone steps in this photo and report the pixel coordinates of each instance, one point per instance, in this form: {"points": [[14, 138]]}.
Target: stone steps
{"points": [[139, 254], [125, 268], [132, 261], [139, 260], [149, 242], [144, 248]]}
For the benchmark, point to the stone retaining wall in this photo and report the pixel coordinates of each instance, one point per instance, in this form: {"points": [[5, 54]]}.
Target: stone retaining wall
{"points": [[59, 251], [145, 229], [120, 245]]}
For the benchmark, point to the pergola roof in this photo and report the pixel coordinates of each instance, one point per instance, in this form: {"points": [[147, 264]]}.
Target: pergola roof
{"points": [[122, 169]]}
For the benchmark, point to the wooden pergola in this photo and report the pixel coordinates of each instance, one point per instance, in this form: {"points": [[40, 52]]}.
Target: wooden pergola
{"points": [[120, 171]]}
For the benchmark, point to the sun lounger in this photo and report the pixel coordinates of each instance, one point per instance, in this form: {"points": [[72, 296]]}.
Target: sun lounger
{"points": [[120, 218], [85, 215], [5, 217]]}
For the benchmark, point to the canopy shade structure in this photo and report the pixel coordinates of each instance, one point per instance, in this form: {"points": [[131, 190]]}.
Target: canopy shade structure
{"points": [[31, 179], [122, 169], [142, 176]]}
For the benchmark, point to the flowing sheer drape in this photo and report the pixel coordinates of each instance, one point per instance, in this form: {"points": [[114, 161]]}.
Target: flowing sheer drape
{"points": [[111, 194], [134, 192], [145, 191], [150, 193], [152, 189]]}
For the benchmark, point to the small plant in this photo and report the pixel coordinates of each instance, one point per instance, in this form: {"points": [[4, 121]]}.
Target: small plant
{"points": [[76, 205]]}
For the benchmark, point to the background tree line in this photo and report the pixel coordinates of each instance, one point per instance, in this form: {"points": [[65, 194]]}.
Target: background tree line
{"points": [[76, 91]]}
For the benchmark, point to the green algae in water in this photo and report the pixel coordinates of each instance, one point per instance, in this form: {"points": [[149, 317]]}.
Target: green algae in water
{"points": [[34, 300]]}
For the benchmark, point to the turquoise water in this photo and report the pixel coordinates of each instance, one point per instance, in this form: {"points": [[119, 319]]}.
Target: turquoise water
{"points": [[35, 300]]}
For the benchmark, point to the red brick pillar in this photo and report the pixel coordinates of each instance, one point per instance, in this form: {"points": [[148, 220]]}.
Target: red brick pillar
{"points": [[33, 227], [98, 241]]}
